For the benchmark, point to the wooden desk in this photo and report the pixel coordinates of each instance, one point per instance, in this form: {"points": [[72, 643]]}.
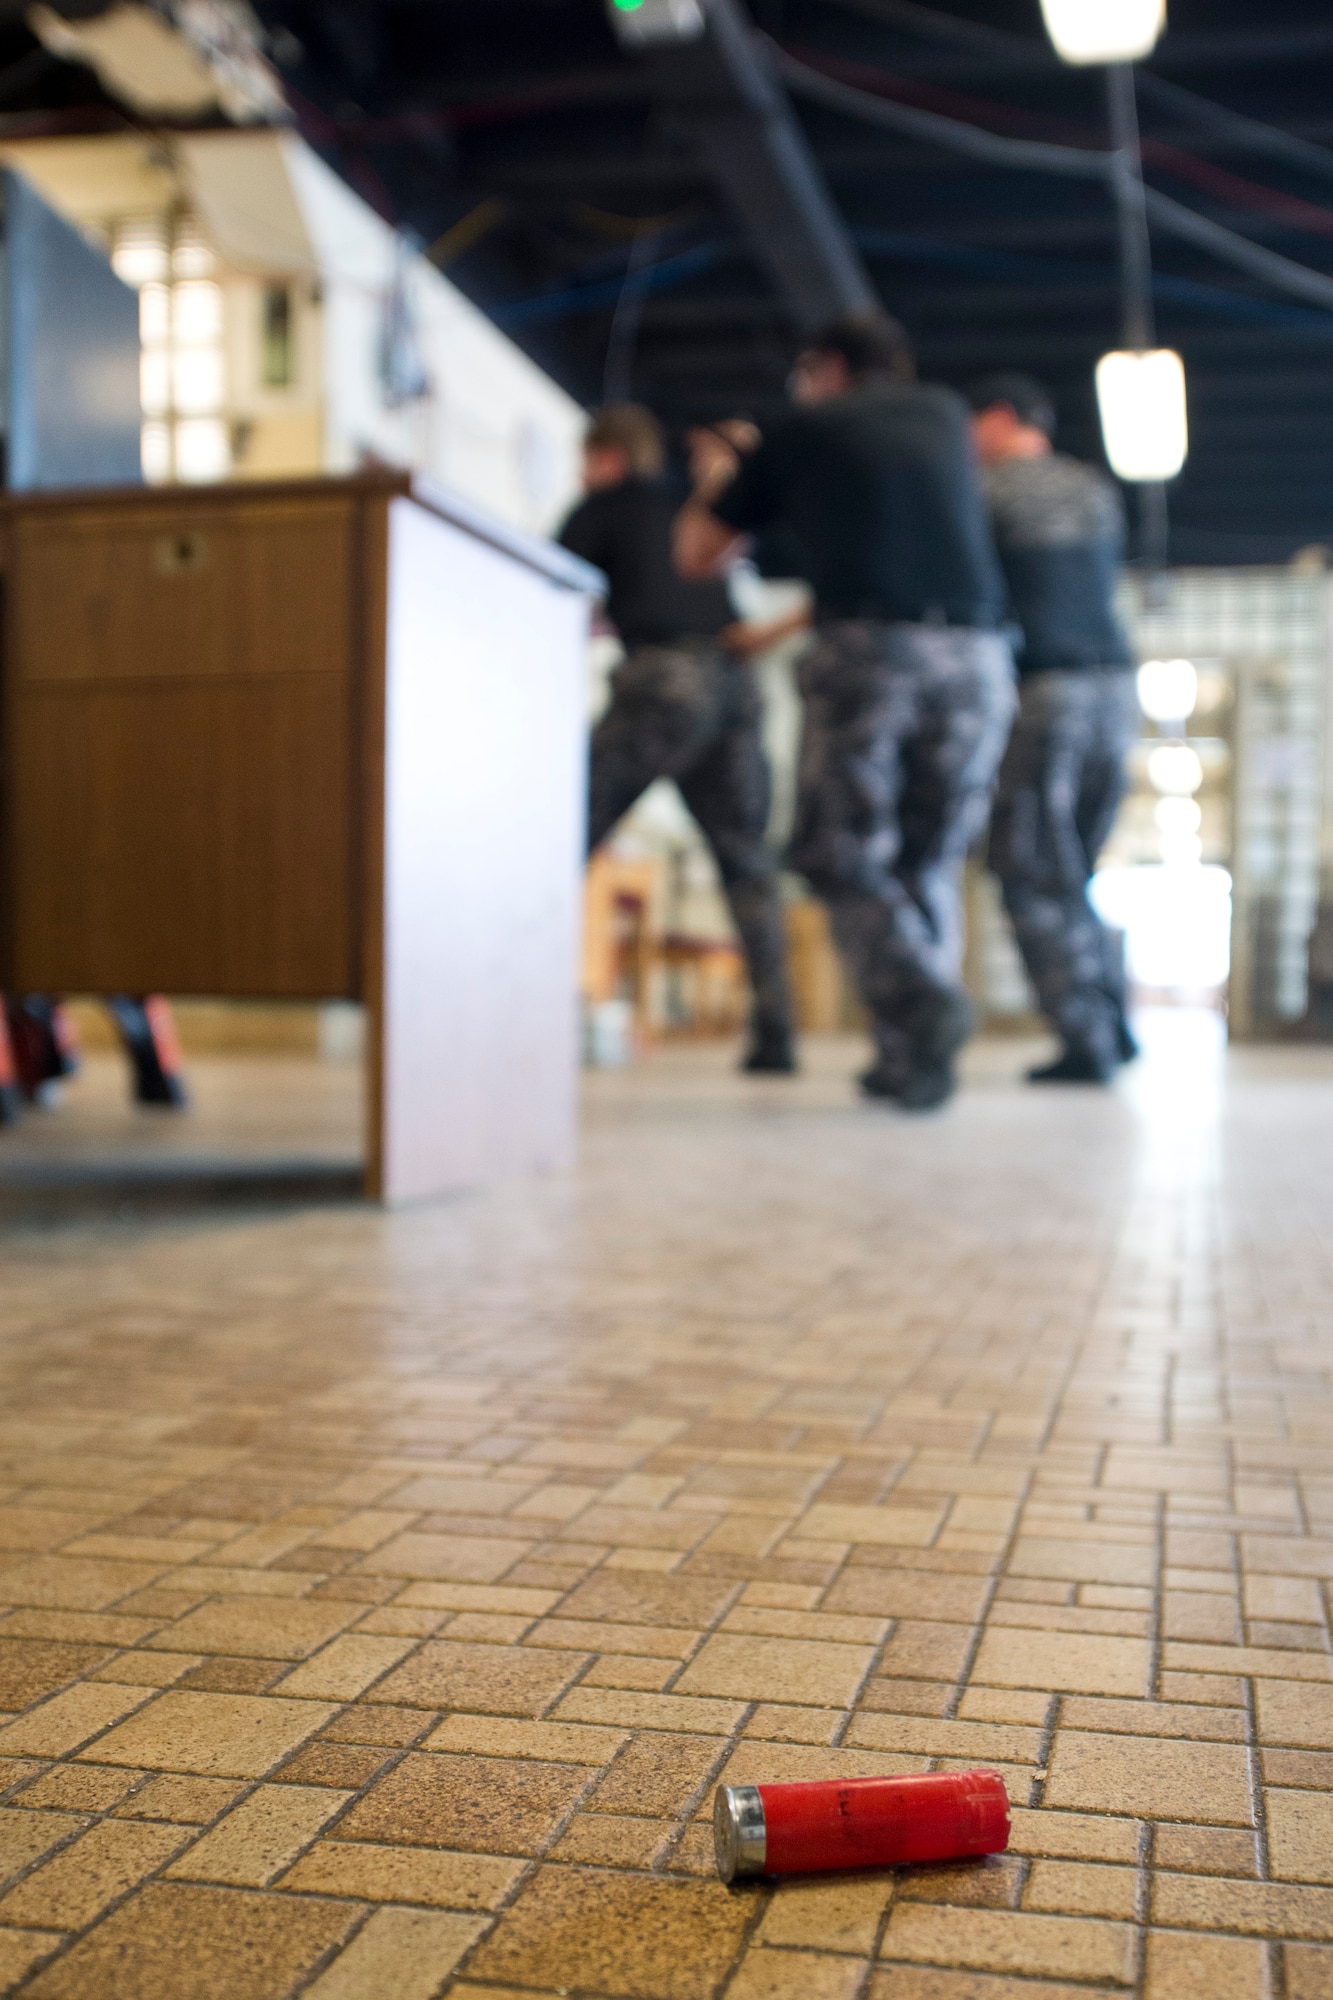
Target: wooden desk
{"points": [[311, 740]]}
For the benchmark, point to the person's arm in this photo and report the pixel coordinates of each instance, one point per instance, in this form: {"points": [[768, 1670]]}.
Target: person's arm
{"points": [[704, 545]]}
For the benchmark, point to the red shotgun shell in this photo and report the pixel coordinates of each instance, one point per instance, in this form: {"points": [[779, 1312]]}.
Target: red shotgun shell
{"points": [[858, 1823]]}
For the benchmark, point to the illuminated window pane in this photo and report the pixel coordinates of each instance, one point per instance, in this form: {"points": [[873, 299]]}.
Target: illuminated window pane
{"points": [[197, 381], [196, 313], [155, 453], [154, 315], [154, 381], [202, 450]]}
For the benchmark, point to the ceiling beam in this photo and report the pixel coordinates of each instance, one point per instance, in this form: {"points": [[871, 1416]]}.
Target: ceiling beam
{"points": [[719, 90]]}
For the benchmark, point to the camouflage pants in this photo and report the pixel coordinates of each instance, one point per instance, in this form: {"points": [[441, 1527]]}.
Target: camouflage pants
{"points": [[1063, 778], [904, 729], [691, 713]]}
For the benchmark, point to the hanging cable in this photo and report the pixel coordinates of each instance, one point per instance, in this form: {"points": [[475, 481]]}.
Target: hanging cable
{"points": [[1043, 156]]}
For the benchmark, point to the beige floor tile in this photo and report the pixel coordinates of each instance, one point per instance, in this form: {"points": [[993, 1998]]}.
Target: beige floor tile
{"points": [[185, 1801], [783, 1670], [981, 1742], [67, 1892], [585, 1927], [1260, 1909], [30, 1669], [612, 1840], [452, 1558], [484, 1805], [496, 1680], [71, 1583], [1309, 1970], [795, 1975], [779, 1722], [910, 1982], [631, 1710], [20, 1951], [1073, 1663], [1153, 1777], [1083, 1889], [1287, 1714], [1155, 1718], [1205, 1850], [260, 1837], [256, 1627], [501, 1736], [691, 1603], [1074, 1836], [630, 1671], [406, 1952], [212, 1735], [842, 1913], [143, 1669], [1184, 1967], [78, 1788], [379, 1723], [346, 1668], [75, 1717], [1013, 1942], [1300, 1835], [1084, 1561], [219, 1944], [385, 1874], [24, 1836]]}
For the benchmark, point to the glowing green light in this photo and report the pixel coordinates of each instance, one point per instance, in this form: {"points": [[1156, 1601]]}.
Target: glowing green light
{"points": [[627, 6]]}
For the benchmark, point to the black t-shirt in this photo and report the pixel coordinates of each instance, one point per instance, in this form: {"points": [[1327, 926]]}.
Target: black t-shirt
{"points": [[1060, 530], [626, 531], [880, 489]]}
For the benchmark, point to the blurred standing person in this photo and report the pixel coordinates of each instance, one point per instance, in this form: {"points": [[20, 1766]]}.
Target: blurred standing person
{"points": [[684, 704], [908, 687], [1059, 528]]}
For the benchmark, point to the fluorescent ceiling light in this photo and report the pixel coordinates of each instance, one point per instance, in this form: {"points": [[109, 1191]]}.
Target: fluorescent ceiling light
{"points": [[1141, 398], [1102, 31], [1168, 689], [641, 24]]}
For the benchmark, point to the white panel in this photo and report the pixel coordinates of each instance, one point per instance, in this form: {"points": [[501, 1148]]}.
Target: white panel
{"points": [[484, 818]]}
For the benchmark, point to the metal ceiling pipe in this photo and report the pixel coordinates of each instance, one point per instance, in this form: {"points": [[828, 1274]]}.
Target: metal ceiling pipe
{"points": [[718, 88]]}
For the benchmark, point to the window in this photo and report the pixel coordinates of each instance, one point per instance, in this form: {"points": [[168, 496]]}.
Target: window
{"points": [[277, 346]]}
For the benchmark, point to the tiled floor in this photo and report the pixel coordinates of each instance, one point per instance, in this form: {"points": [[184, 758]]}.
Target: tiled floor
{"points": [[389, 1593]]}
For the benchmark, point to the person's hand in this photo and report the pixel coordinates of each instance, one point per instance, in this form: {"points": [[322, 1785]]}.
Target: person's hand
{"points": [[746, 639], [740, 434], [713, 462]]}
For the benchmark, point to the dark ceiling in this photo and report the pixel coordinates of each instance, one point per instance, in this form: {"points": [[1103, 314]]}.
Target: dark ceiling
{"points": [[536, 162]]}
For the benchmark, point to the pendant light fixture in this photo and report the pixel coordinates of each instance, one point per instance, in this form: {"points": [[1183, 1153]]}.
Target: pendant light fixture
{"points": [[1103, 31]]}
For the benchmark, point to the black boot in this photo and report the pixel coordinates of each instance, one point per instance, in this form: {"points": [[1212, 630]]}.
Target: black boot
{"points": [[936, 1032], [1074, 1066], [1127, 1047], [150, 1043], [771, 1051]]}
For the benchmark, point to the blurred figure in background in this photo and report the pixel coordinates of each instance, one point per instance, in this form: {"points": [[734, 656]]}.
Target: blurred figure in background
{"points": [[1059, 529], [909, 685], [684, 704]]}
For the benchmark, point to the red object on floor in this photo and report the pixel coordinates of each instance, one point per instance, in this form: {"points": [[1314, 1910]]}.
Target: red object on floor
{"points": [[859, 1823]]}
